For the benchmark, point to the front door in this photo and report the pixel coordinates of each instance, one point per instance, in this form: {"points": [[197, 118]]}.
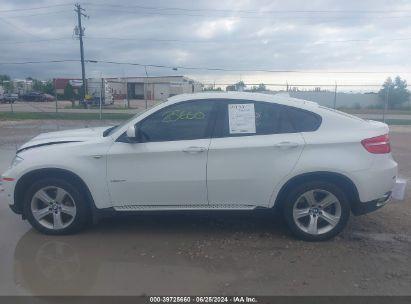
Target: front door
{"points": [[167, 167]]}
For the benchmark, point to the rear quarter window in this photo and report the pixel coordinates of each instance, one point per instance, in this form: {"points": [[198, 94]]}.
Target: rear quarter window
{"points": [[302, 120]]}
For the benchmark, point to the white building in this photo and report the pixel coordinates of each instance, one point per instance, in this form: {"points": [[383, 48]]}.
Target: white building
{"points": [[22, 86], [152, 88]]}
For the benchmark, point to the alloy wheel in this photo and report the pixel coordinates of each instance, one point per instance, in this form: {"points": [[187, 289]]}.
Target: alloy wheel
{"points": [[317, 211], [53, 207]]}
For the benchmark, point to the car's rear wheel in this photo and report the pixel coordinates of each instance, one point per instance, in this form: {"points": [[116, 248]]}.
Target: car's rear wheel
{"points": [[316, 211], [54, 206]]}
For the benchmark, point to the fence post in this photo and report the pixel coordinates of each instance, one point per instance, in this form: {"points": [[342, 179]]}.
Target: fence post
{"points": [[145, 84], [385, 103], [335, 96], [55, 93], [101, 98]]}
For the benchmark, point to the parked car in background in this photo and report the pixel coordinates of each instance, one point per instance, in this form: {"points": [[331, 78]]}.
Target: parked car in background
{"points": [[36, 96], [9, 98], [209, 151], [48, 97]]}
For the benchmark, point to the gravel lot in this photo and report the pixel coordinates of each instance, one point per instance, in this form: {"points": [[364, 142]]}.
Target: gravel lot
{"points": [[232, 253]]}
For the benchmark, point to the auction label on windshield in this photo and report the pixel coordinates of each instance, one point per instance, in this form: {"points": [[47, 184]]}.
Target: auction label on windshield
{"points": [[241, 118]]}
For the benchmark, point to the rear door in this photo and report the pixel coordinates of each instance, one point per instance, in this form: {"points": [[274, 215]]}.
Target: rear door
{"points": [[253, 148]]}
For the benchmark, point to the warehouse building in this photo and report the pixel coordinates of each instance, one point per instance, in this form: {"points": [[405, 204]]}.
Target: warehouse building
{"points": [[61, 83], [152, 88]]}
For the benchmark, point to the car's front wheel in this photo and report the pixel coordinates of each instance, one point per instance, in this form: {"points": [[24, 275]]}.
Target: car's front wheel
{"points": [[55, 206], [316, 211]]}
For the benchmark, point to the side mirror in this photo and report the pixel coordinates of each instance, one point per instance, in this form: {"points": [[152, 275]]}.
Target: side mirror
{"points": [[131, 132]]}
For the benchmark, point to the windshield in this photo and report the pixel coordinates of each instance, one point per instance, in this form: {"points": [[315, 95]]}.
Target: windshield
{"points": [[112, 129]]}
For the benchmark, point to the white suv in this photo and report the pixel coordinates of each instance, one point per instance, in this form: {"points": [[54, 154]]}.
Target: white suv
{"points": [[209, 151]]}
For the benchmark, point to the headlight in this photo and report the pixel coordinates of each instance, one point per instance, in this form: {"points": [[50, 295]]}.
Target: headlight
{"points": [[17, 160]]}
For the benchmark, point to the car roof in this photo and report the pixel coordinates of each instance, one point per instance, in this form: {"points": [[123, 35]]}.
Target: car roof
{"points": [[279, 98]]}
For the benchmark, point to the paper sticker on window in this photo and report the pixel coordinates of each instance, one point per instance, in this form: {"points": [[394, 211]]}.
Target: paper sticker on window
{"points": [[241, 118]]}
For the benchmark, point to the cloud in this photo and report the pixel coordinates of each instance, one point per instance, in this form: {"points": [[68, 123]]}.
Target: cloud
{"points": [[328, 35]]}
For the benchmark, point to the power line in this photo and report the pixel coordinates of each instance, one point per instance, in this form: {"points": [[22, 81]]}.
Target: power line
{"points": [[33, 8], [242, 70], [36, 14], [6, 42], [287, 11], [334, 18], [266, 40], [17, 27], [253, 11], [294, 85], [150, 40], [206, 69], [41, 61]]}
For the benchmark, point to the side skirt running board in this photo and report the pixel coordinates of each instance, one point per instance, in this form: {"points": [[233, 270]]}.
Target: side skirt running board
{"points": [[184, 207]]}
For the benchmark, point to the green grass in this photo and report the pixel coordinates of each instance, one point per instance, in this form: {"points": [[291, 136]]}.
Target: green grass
{"points": [[374, 111], [62, 116], [97, 107], [396, 122]]}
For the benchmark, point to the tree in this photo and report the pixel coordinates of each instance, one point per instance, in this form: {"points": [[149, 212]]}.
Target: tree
{"points": [[37, 85], [48, 87], [261, 88], [43, 87], [396, 91], [212, 89], [239, 86], [4, 77], [69, 92], [7, 83]]}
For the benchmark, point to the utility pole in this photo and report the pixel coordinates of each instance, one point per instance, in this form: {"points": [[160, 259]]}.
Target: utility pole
{"points": [[101, 95], [145, 84], [80, 32], [335, 95], [55, 93]]}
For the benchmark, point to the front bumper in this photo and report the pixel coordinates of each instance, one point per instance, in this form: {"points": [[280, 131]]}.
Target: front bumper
{"points": [[15, 209]]}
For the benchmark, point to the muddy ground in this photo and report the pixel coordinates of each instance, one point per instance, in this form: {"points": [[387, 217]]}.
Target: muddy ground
{"points": [[232, 253]]}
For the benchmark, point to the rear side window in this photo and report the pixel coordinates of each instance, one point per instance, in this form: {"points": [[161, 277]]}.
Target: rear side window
{"points": [[302, 120], [247, 118]]}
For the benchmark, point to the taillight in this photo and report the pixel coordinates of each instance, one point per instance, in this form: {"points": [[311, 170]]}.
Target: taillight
{"points": [[377, 145]]}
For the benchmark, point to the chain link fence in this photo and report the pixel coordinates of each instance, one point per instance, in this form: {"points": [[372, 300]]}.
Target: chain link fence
{"points": [[361, 100]]}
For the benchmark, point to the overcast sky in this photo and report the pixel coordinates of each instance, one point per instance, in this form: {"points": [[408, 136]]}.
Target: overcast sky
{"points": [[315, 35]]}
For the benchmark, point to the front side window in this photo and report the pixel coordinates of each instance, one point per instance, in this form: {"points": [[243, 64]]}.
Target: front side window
{"points": [[183, 121]]}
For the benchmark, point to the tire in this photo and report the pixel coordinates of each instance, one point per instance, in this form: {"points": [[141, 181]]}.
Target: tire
{"points": [[54, 206], [316, 211]]}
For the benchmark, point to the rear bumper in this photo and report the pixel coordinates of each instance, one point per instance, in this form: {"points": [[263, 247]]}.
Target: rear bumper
{"points": [[373, 183], [363, 208]]}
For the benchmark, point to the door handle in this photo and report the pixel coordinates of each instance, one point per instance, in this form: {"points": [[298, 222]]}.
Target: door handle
{"points": [[286, 145], [194, 149]]}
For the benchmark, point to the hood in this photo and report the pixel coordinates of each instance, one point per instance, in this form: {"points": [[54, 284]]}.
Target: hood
{"points": [[61, 137]]}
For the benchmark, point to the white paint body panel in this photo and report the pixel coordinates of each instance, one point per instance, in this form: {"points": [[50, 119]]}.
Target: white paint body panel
{"points": [[243, 171], [157, 173]]}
